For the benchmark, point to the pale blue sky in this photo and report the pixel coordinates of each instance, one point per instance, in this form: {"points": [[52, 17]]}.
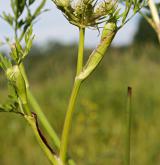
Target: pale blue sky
{"points": [[53, 26]]}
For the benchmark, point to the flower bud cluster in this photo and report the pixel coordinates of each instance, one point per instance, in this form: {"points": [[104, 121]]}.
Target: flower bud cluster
{"points": [[87, 13]]}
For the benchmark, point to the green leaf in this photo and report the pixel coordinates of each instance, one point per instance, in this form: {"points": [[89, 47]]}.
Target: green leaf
{"points": [[11, 104], [39, 8], [21, 5], [31, 2], [14, 7], [8, 18], [4, 62], [134, 5], [21, 23], [28, 34], [28, 41], [14, 54], [19, 48]]}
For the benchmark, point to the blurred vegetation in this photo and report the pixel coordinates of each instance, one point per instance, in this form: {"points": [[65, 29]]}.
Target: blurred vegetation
{"points": [[98, 127], [145, 33]]}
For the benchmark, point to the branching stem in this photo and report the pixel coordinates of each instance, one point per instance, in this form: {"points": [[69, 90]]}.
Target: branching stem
{"points": [[39, 112], [43, 119], [72, 101]]}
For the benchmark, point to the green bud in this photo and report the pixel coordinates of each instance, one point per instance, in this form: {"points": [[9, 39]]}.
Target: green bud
{"points": [[15, 77]]}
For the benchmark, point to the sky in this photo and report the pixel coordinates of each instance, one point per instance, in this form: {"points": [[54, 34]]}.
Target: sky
{"points": [[53, 26]]}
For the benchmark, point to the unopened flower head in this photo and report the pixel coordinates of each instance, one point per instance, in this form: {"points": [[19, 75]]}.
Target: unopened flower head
{"points": [[87, 13]]}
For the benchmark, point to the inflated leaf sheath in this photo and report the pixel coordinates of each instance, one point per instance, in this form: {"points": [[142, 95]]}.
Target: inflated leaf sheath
{"points": [[108, 34]]}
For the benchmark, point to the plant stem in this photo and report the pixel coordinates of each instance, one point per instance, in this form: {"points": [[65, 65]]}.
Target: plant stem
{"points": [[26, 109], [80, 50], [33, 102], [39, 111], [51, 156], [68, 120], [43, 119], [155, 17], [128, 127], [32, 121], [72, 101], [154, 12]]}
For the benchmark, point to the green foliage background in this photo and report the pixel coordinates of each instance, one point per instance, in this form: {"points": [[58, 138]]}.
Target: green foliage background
{"points": [[98, 129], [97, 136]]}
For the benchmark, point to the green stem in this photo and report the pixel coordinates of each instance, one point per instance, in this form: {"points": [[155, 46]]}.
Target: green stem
{"points": [[154, 12], [39, 111], [80, 50], [43, 119], [74, 94], [22, 34], [26, 109], [32, 100], [20, 106], [68, 120], [51, 156], [128, 128], [155, 16], [32, 120]]}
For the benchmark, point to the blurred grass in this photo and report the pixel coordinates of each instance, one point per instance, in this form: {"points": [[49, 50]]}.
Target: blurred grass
{"points": [[98, 128]]}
